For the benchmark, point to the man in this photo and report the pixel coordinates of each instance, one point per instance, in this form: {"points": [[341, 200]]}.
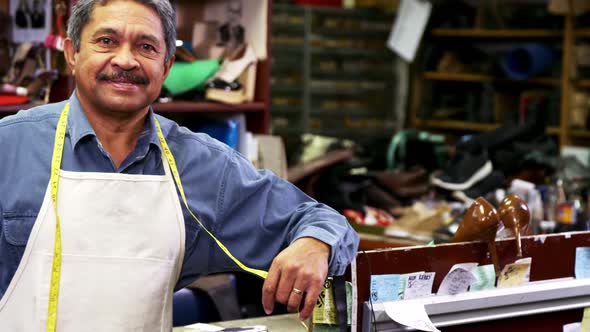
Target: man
{"points": [[121, 238]]}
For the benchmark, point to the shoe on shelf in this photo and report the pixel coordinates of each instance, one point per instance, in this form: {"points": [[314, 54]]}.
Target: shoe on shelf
{"points": [[404, 183], [40, 87], [17, 62], [30, 63], [204, 41], [229, 93], [380, 198], [464, 171], [488, 184], [450, 63], [42, 79], [240, 68], [236, 63]]}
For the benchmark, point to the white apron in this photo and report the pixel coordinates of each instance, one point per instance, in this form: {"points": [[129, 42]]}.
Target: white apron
{"points": [[123, 245]]}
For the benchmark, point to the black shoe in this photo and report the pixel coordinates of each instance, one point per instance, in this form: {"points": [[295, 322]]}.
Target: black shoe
{"points": [[222, 85], [490, 183], [464, 171], [539, 153]]}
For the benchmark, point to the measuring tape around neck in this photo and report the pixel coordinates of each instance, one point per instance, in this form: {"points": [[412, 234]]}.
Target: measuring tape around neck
{"points": [[58, 147], [261, 273]]}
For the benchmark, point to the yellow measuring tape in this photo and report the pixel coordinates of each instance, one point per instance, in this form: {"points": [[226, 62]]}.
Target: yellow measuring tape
{"points": [[58, 148], [261, 273], [60, 135]]}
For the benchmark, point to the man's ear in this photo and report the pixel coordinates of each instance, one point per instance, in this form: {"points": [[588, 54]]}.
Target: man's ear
{"points": [[168, 65], [70, 54]]}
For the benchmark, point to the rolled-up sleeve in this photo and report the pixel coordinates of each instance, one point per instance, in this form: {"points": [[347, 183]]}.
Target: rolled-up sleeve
{"points": [[261, 214], [323, 223]]}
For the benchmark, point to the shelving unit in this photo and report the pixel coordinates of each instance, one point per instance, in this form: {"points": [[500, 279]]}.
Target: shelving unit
{"points": [[503, 93], [499, 33], [464, 77], [582, 83], [256, 113], [331, 72], [577, 34]]}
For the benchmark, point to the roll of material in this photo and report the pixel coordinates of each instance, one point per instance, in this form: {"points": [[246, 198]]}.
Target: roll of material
{"points": [[527, 60]]}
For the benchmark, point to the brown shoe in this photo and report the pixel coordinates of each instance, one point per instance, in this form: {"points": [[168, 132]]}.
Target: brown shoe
{"points": [[480, 222], [411, 183], [382, 199], [515, 215]]}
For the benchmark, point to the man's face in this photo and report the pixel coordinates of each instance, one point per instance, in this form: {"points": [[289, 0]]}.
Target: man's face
{"points": [[120, 66]]}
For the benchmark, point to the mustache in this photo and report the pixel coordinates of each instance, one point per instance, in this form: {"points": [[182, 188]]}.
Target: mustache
{"points": [[124, 75]]}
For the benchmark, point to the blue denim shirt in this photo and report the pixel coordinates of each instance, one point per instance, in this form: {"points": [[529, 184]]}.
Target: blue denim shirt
{"points": [[254, 213]]}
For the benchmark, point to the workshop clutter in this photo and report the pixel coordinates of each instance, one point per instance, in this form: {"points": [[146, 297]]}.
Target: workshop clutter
{"points": [[218, 64], [27, 79], [422, 197]]}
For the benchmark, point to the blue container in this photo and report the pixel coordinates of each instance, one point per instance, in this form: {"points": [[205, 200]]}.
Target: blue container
{"points": [[527, 60], [226, 131]]}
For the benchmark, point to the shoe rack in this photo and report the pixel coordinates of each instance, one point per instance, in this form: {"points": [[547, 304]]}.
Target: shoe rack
{"points": [[257, 113], [188, 12], [562, 32], [331, 72], [577, 32]]}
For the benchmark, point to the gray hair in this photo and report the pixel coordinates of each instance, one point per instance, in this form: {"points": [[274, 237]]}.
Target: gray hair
{"points": [[82, 11]]}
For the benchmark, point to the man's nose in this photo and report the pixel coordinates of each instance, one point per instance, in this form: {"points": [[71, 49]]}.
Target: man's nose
{"points": [[125, 58]]}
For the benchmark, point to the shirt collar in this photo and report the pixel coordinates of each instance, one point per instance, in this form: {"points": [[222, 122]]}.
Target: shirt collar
{"points": [[79, 126]]}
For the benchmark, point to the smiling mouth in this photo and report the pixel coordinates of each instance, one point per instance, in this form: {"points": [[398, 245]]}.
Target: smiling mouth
{"points": [[123, 78], [123, 82]]}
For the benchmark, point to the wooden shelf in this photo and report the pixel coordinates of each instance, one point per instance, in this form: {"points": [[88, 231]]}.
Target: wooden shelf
{"points": [[437, 76], [16, 108], [553, 130], [351, 74], [504, 33], [189, 107], [354, 132], [582, 32], [278, 110], [562, 38], [582, 83], [471, 126], [352, 12], [579, 133], [458, 125], [368, 33], [350, 51]]}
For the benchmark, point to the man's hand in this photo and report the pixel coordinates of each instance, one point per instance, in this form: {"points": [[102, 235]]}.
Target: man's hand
{"points": [[297, 273]]}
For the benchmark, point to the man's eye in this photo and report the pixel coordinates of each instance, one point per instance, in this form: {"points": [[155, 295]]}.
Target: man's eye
{"points": [[105, 41], [147, 47]]}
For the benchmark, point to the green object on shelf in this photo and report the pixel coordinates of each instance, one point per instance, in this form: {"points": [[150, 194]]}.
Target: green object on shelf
{"points": [[396, 151], [186, 76]]}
